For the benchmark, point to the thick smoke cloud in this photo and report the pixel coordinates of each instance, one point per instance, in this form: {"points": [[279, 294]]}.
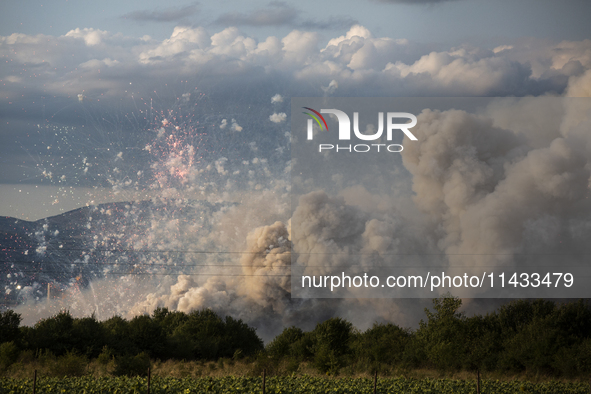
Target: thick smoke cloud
{"points": [[487, 187], [488, 190], [481, 186]]}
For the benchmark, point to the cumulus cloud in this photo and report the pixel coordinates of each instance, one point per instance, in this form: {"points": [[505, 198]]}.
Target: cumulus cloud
{"points": [[357, 62], [465, 69], [278, 117], [182, 40], [91, 36], [277, 98]]}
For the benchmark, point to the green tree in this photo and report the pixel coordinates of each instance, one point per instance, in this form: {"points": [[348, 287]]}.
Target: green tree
{"points": [[169, 320], [118, 336], [9, 326], [332, 344], [88, 336], [204, 331], [54, 334], [280, 346], [239, 336], [147, 335], [443, 335]]}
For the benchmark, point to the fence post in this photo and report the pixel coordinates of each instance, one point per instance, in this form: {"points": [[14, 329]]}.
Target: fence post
{"points": [[375, 382], [35, 383], [478, 381], [264, 378], [149, 378]]}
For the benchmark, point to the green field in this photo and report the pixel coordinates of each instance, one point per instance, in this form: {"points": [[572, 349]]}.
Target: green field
{"points": [[283, 385]]}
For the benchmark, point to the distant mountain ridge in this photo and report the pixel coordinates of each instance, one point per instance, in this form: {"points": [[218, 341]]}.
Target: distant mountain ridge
{"points": [[81, 245]]}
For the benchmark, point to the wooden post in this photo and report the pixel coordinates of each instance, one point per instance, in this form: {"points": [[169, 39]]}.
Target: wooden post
{"points": [[149, 378], [264, 379], [35, 383], [478, 381], [375, 382]]}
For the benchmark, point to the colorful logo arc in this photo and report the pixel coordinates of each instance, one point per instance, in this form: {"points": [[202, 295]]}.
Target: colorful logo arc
{"points": [[315, 118]]}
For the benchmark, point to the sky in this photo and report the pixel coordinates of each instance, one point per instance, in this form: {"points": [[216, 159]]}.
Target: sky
{"points": [[450, 22], [136, 100]]}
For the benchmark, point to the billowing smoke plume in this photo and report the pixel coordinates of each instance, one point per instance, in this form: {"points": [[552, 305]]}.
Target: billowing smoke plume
{"points": [[488, 193], [484, 189]]}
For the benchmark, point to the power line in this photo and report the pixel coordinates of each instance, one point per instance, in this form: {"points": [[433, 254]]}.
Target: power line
{"points": [[139, 251], [131, 264], [166, 274]]}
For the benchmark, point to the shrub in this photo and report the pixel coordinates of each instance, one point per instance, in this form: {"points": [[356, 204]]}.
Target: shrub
{"points": [[106, 356], [132, 365], [70, 364]]}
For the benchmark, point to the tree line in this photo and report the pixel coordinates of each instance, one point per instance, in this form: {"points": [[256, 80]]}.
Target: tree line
{"points": [[537, 336]]}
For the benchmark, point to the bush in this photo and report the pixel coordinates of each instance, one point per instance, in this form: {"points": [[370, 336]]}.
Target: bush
{"points": [[106, 356], [326, 360], [262, 363], [383, 343], [132, 365], [70, 364]]}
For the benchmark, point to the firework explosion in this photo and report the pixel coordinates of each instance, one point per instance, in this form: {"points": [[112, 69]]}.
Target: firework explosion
{"points": [[184, 193], [200, 212]]}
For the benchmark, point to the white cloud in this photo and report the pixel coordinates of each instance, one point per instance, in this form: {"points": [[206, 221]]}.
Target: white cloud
{"points": [[91, 36], [355, 31], [278, 117], [182, 39], [356, 63]]}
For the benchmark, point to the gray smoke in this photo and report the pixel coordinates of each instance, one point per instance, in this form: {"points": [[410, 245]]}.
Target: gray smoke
{"points": [[488, 188]]}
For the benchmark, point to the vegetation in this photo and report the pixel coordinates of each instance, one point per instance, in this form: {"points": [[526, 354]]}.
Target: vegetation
{"points": [[522, 338], [304, 384]]}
